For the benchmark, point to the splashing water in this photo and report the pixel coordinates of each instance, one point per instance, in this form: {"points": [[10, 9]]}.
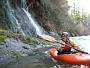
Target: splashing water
{"points": [[83, 42]]}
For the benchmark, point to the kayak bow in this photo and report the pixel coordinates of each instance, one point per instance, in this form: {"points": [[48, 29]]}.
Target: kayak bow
{"points": [[73, 58]]}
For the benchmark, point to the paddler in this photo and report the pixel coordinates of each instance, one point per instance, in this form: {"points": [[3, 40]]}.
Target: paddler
{"points": [[66, 44]]}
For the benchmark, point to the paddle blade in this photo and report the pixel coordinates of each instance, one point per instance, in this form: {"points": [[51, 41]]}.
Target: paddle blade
{"points": [[82, 51], [48, 38]]}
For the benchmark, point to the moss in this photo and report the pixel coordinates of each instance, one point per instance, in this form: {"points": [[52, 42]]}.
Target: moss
{"points": [[2, 38], [26, 39], [9, 34], [3, 18]]}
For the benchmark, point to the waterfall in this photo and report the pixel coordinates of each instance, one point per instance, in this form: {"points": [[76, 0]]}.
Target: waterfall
{"points": [[21, 20], [33, 22]]}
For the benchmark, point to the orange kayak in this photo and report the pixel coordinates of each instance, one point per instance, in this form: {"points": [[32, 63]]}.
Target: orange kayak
{"points": [[73, 58]]}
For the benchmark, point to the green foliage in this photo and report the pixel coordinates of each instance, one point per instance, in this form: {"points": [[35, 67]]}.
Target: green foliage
{"points": [[16, 54], [2, 38], [9, 34], [77, 16], [26, 39], [2, 15], [56, 11]]}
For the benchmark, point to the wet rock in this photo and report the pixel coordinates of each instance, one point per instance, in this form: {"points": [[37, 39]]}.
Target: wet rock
{"points": [[53, 33], [4, 57], [2, 45], [23, 55], [18, 47], [15, 49], [13, 42], [26, 46]]}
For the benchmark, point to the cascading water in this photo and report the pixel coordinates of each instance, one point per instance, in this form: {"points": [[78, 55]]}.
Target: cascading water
{"points": [[33, 22], [21, 20]]}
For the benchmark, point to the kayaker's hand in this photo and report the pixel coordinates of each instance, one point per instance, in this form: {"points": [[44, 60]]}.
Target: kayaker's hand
{"points": [[62, 46]]}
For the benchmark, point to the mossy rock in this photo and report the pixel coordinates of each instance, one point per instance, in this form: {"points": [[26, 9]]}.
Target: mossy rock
{"points": [[9, 34], [2, 38]]}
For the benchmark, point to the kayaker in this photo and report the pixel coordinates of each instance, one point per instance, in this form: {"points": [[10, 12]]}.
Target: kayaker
{"points": [[66, 44]]}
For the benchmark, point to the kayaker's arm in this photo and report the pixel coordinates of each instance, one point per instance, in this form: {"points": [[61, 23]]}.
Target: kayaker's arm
{"points": [[74, 45], [77, 48], [61, 42]]}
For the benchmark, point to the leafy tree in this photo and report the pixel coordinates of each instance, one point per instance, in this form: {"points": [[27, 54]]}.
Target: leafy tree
{"points": [[77, 15]]}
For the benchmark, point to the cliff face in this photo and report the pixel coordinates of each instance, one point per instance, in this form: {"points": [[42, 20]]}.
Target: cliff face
{"points": [[53, 14], [50, 13], [2, 15]]}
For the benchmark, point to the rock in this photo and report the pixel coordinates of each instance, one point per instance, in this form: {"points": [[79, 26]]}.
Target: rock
{"points": [[2, 45], [26, 47], [4, 57], [53, 33]]}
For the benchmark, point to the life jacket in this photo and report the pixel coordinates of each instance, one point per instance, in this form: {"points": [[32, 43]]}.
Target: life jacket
{"points": [[67, 46]]}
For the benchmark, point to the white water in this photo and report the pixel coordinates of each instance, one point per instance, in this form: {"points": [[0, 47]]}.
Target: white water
{"points": [[83, 42]]}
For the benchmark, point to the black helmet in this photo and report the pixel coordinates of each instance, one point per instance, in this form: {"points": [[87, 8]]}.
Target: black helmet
{"points": [[64, 34]]}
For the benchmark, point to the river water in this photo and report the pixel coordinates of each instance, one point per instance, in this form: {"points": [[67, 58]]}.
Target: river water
{"points": [[40, 57]]}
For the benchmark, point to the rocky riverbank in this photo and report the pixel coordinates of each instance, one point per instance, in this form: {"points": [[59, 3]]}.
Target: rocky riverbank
{"points": [[14, 46]]}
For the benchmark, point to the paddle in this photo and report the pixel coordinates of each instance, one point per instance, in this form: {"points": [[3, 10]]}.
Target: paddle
{"points": [[82, 51], [48, 38], [52, 39], [78, 50]]}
